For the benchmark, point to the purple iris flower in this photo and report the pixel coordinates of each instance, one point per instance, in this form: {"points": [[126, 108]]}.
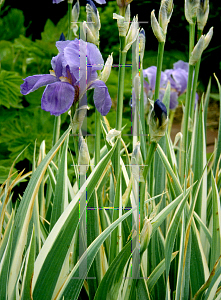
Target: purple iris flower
{"points": [[150, 73], [177, 76], [149, 87], [74, 72]]}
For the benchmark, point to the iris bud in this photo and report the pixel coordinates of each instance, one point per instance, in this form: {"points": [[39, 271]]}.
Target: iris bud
{"points": [[157, 121], [93, 25], [201, 45], [123, 3], [75, 16], [137, 164], [123, 22], [145, 234], [191, 8], [112, 134], [208, 38], [197, 51], [62, 37], [84, 157], [157, 30], [165, 13], [137, 86], [202, 14], [107, 68], [88, 33], [132, 33], [140, 46]]}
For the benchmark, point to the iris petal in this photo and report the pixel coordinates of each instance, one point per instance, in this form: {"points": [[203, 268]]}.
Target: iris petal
{"points": [[57, 98], [173, 100], [102, 99], [79, 53], [61, 45], [181, 65], [151, 74], [100, 1], [57, 1], [180, 76], [57, 64], [32, 83]]}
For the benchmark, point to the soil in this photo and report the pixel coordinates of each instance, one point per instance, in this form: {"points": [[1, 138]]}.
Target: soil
{"points": [[212, 124]]}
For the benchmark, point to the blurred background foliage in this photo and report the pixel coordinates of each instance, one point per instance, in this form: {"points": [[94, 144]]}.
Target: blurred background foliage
{"points": [[28, 32]]}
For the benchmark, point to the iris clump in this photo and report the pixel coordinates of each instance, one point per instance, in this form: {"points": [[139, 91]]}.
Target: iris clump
{"points": [[74, 72]]}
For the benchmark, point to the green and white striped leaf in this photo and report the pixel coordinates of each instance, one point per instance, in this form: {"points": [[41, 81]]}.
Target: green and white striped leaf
{"points": [[28, 269], [218, 150], [160, 217], [5, 256], [216, 219], [53, 253], [110, 284], [175, 181], [171, 234], [24, 213], [60, 201], [157, 272], [211, 292], [71, 288]]}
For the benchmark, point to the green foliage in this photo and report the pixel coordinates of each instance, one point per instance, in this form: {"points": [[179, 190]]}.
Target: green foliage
{"points": [[10, 95], [12, 25], [109, 31], [25, 123]]}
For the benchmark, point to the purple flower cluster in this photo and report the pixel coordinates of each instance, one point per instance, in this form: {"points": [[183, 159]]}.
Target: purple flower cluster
{"points": [[177, 77], [74, 72]]}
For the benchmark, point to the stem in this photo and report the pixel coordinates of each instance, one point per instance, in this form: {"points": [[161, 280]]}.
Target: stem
{"points": [[196, 75], [148, 161], [187, 102], [193, 96], [172, 113], [159, 69], [69, 20], [120, 94], [191, 37], [97, 136], [186, 120], [142, 115], [56, 131]]}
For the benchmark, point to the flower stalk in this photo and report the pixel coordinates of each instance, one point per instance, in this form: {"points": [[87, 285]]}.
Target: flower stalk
{"points": [[159, 69], [56, 131], [147, 164], [196, 75], [186, 120], [69, 20], [160, 30], [97, 136], [194, 62], [140, 48], [158, 120], [120, 94]]}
